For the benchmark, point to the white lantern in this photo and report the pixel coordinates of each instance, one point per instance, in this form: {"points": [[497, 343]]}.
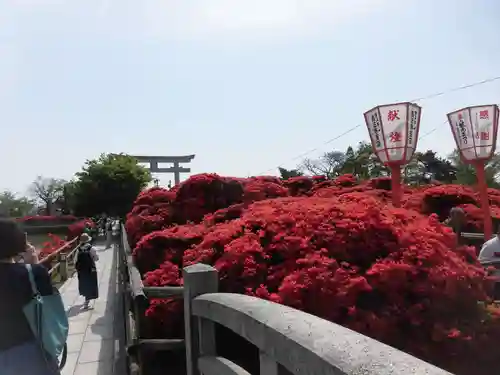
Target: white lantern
{"points": [[475, 131], [393, 131]]}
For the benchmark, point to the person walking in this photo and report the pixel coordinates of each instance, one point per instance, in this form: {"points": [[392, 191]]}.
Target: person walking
{"points": [[20, 351], [109, 233], [102, 225], [456, 221], [87, 271]]}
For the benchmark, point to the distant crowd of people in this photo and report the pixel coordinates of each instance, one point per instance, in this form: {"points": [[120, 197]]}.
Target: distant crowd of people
{"points": [[103, 227]]}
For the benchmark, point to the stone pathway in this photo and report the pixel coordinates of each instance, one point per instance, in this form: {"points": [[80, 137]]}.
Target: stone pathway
{"points": [[95, 343]]}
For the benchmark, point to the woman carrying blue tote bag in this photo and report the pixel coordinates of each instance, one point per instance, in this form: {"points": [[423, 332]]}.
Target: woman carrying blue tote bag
{"points": [[47, 318], [25, 290]]}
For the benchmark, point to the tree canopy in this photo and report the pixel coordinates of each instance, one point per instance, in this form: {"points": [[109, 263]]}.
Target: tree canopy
{"points": [[359, 161], [423, 168], [48, 191], [289, 173], [466, 174], [108, 184], [13, 206]]}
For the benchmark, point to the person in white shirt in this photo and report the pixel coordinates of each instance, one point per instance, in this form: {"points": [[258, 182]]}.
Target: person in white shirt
{"points": [[490, 252], [491, 249]]}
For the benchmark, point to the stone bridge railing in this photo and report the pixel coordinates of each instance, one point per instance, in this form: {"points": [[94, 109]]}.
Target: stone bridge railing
{"points": [[302, 343], [287, 338]]}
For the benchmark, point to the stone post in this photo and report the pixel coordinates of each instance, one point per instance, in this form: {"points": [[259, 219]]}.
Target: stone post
{"points": [[199, 333], [63, 266]]}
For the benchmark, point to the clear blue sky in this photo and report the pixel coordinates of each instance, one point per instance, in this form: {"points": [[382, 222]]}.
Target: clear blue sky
{"points": [[246, 85]]}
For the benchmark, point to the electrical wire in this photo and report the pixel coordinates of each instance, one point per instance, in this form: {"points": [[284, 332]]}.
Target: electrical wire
{"points": [[426, 97]]}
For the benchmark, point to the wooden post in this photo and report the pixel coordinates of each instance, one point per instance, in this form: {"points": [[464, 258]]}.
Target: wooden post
{"points": [[63, 266], [199, 333]]}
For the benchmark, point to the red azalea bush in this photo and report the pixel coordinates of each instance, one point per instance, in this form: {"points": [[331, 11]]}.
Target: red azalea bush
{"points": [[204, 194], [52, 244], [441, 199], [39, 219], [76, 229], [334, 248], [475, 217], [258, 190]]}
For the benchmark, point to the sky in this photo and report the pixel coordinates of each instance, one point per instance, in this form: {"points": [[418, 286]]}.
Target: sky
{"points": [[246, 85]]}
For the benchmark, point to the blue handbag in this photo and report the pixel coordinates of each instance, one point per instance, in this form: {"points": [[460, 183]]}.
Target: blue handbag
{"points": [[47, 318]]}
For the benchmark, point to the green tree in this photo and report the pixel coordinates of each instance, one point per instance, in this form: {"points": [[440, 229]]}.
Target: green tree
{"points": [[47, 191], [427, 166], [466, 174], [351, 164], [12, 206], [366, 163], [360, 162], [438, 168], [289, 173], [67, 201], [108, 184]]}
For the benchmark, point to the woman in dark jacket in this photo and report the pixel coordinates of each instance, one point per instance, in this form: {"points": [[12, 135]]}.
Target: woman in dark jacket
{"points": [[20, 352], [86, 270]]}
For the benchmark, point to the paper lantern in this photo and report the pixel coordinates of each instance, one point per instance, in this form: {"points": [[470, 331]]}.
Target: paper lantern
{"points": [[475, 131], [393, 130]]}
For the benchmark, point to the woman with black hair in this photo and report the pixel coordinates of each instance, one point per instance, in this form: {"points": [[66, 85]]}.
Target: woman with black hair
{"points": [[87, 270], [20, 352]]}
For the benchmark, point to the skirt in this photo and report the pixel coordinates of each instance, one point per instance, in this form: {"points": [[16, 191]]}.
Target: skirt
{"points": [[87, 285], [109, 239], [26, 359]]}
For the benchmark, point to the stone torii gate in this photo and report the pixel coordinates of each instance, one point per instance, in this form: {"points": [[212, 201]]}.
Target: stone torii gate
{"points": [[176, 160]]}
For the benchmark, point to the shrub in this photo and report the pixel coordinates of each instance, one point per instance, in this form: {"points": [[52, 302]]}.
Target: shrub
{"points": [[333, 248], [52, 244], [76, 229], [47, 220], [441, 199]]}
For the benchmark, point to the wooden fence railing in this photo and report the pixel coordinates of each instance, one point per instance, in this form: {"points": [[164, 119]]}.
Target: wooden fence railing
{"points": [[301, 343], [136, 301], [60, 261]]}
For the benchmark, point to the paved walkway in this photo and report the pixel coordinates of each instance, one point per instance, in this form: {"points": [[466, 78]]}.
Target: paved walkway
{"points": [[96, 335]]}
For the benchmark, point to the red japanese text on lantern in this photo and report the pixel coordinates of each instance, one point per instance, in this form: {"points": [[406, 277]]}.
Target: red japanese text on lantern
{"points": [[395, 137], [484, 115], [475, 129], [483, 136], [393, 115]]}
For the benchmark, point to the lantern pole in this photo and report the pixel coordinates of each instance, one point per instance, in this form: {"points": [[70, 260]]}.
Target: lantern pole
{"points": [[485, 202], [396, 184]]}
